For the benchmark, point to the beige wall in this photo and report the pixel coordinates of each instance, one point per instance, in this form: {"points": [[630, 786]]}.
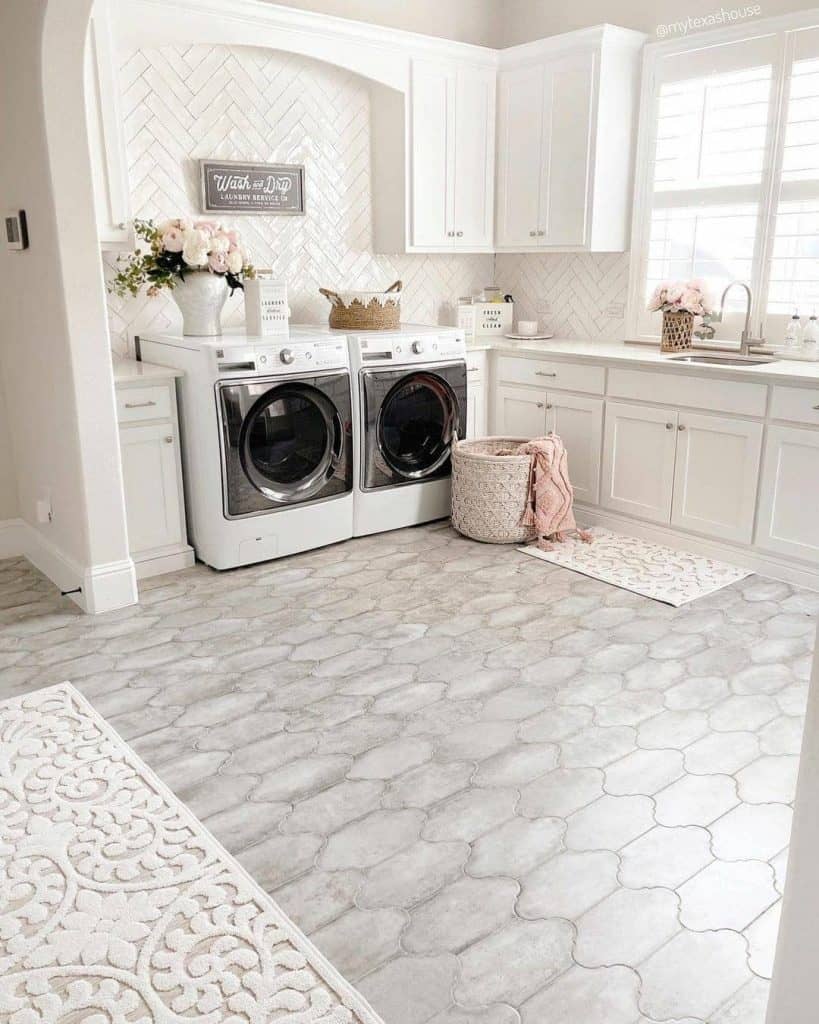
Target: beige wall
{"points": [[524, 20], [470, 21], [8, 482]]}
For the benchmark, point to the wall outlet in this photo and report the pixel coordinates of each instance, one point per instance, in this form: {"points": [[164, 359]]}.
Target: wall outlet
{"points": [[44, 511], [616, 309]]}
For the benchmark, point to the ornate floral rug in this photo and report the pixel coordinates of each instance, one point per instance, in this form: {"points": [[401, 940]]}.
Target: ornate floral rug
{"points": [[116, 904], [653, 570]]}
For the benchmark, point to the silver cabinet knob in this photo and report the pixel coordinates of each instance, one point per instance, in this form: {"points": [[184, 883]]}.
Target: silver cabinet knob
{"points": [[450, 234], [669, 426], [286, 356], [168, 439], [681, 427], [539, 405], [460, 234], [418, 347], [540, 233], [549, 405], [532, 234]]}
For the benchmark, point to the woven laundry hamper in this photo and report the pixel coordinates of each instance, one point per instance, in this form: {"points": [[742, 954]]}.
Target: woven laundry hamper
{"points": [[489, 490]]}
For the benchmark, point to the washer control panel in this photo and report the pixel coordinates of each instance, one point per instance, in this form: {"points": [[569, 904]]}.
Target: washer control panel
{"points": [[288, 357]]}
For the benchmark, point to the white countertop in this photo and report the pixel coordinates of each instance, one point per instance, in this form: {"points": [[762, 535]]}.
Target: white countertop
{"points": [[129, 371], [648, 357]]}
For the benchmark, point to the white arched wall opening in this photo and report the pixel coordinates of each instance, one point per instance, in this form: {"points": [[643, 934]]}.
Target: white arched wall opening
{"points": [[108, 580]]}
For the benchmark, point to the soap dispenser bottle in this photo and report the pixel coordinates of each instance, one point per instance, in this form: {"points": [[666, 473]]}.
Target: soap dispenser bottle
{"points": [[793, 332], [810, 337]]}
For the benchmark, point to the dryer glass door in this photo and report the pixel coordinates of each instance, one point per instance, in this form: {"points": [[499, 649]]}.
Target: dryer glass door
{"points": [[417, 424], [290, 442]]}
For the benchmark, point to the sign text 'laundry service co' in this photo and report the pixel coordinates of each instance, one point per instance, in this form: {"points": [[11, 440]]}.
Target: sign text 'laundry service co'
{"points": [[235, 187]]}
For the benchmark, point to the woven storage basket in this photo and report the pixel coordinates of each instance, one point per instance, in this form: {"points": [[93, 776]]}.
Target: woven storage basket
{"points": [[489, 490], [677, 328], [365, 311]]}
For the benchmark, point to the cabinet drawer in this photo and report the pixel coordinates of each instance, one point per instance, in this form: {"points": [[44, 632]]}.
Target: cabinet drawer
{"points": [[801, 405], [743, 398], [153, 403], [552, 374]]}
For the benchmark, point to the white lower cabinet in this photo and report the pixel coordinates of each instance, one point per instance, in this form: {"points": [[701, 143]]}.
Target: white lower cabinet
{"points": [[151, 488], [579, 422], [152, 474], [638, 460], [477, 395], [789, 493], [716, 474], [519, 412]]}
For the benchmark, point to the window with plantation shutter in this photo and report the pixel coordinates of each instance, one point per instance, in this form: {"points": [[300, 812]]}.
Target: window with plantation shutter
{"points": [[728, 177]]}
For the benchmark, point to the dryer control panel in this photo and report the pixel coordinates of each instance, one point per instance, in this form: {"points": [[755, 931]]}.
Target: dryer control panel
{"points": [[408, 348]]}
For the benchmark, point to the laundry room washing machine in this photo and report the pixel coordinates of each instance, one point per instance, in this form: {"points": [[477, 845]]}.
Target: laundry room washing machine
{"points": [[267, 445], [409, 391]]}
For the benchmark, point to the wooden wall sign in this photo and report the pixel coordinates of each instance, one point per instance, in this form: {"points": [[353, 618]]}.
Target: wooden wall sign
{"points": [[232, 186]]}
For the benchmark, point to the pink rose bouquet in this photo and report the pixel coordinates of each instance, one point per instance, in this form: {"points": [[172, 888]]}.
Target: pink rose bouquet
{"points": [[176, 247], [681, 297]]}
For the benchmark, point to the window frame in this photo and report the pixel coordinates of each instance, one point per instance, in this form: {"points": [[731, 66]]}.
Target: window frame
{"points": [[784, 29]]}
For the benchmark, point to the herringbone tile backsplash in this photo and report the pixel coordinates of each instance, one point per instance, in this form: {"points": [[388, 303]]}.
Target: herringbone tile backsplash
{"points": [[183, 103]]}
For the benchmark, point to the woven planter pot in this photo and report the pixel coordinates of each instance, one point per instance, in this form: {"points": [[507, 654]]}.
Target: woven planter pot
{"points": [[489, 490], [677, 329], [365, 311]]}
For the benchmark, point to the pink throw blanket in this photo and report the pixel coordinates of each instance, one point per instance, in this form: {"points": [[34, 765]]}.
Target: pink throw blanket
{"points": [[550, 495]]}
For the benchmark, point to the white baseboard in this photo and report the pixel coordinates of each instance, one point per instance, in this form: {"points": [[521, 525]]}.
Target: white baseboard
{"points": [[161, 560], [723, 551], [12, 538], [95, 588], [108, 587]]}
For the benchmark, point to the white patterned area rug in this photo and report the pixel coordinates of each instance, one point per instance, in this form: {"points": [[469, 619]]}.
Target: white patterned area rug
{"points": [[653, 570], [118, 907]]}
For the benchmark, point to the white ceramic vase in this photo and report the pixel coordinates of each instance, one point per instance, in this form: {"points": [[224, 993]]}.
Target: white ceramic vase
{"points": [[200, 297]]}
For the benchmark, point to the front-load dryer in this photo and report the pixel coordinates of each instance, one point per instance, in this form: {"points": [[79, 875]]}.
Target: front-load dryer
{"points": [[409, 389], [267, 445]]}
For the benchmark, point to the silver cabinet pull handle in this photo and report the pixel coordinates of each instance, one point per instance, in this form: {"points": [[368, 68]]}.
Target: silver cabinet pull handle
{"points": [[138, 405], [472, 369], [543, 373], [669, 426]]}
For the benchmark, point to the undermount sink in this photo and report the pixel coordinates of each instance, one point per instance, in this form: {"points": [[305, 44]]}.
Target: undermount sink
{"points": [[724, 360]]}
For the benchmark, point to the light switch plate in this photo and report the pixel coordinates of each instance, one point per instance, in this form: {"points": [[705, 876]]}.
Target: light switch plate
{"points": [[16, 230]]}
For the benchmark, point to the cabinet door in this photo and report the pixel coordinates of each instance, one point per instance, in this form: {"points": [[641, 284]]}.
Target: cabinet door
{"points": [[520, 103], [105, 136], [716, 476], [789, 494], [476, 409], [579, 422], [568, 89], [520, 413], [433, 132], [474, 155], [149, 468], [638, 460]]}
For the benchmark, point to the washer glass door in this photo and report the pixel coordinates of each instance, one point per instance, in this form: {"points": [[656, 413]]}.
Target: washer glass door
{"points": [[290, 442], [417, 424]]}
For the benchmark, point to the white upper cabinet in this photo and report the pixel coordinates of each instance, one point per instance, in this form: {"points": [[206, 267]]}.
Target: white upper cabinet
{"points": [[567, 114], [453, 116], [105, 133], [433, 186]]}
